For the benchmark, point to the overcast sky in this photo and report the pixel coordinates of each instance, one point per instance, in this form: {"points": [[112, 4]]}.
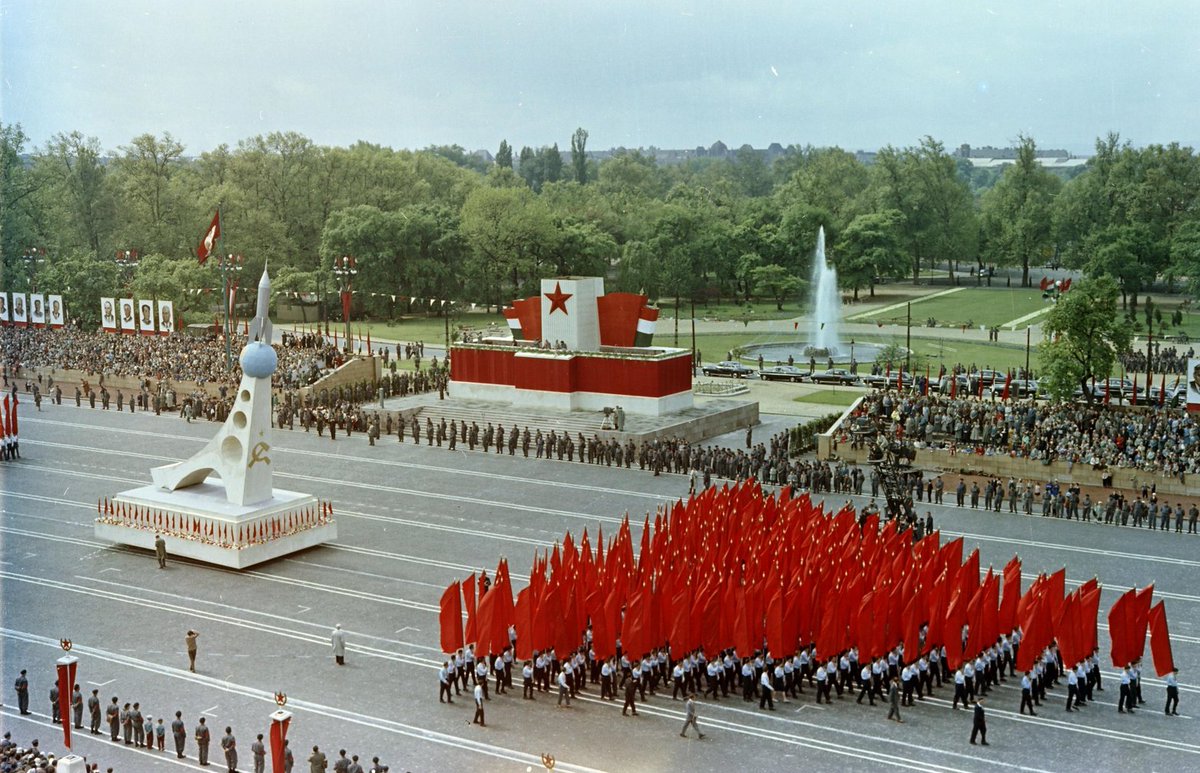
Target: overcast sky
{"points": [[675, 74]]}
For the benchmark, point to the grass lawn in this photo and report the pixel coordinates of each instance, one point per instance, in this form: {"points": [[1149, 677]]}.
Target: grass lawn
{"points": [[431, 330], [980, 306], [842, 397], [728, 309]]}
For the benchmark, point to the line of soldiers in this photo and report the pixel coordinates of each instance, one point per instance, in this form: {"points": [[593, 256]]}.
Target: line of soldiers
{"points": [[126, 722]]}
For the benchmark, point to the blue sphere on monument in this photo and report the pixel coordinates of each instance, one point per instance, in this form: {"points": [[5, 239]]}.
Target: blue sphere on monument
{"points": [[258, 360]]}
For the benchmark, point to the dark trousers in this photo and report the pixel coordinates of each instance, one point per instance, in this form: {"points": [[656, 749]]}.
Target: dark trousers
{"points": [[444, 689], [766, 700], [1172, 700], [179, 741], [478, 720], [980, 730], [1027, 700]]}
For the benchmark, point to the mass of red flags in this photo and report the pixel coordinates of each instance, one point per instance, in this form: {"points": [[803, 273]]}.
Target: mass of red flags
{"points": [[734, 568]]}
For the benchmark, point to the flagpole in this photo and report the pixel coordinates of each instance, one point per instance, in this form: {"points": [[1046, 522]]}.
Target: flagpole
{"points": [[221, 262]]}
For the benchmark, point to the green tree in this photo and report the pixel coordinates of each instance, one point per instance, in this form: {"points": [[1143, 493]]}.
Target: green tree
{"points": [[504, 155], [1084, 335], [1185, 255], [777, 283], [579, 163], [1017, 212], [19, 213], [143, 173], [869, 248], [72, 178]]}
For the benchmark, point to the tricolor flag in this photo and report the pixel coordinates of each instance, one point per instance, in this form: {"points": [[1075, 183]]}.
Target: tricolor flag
{"points": [[514, 322], [210, 238], [647, 322]]}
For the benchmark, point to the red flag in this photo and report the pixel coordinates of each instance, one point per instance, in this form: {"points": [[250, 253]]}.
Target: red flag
{"points": [[524, 623], [776, 645], [468, 592], [210, 238], [485, 627], [1107, 396], [1141, 617], [1007, 616], [450, 618], [1007, 384], [1119, 623], [279, 727], [66, 681], [1160, 641], [1162, 391], [1045, 283]]}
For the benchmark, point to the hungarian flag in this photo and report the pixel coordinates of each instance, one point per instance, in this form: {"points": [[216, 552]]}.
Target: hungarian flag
{"points": [[647, 321], [1160, 641], [210, 238], [450, 618]]}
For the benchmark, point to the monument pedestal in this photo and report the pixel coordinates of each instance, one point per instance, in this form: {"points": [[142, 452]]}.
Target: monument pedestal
{"points": [[200, 523]]}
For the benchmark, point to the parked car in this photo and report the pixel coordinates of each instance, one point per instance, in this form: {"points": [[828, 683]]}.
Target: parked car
{"points": [[1176, 394], [783, 373], [834, 376], [883, 380], [727, 368], [1019, 389]]}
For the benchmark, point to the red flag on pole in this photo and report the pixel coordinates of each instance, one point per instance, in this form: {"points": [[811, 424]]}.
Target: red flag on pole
{"points": [[1162, 391], [66, 682], [279, 727], [1007, 384], [1160, 641], [210, 238], [1119, 623], [468, 591], [450, 618]]}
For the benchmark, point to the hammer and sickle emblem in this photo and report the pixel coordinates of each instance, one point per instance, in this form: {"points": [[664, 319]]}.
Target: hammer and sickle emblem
{"points": [[548, 761], [65, 644], [259, 454], [281, 699]]}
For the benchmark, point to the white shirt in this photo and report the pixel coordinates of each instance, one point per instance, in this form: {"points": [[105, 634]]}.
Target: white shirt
{"points": [[766, 681]]}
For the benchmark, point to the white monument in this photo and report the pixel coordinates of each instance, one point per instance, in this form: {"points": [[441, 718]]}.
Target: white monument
{"points": [[219, 506]]}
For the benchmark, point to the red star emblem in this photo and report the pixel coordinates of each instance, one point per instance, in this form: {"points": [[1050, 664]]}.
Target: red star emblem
{"points": [[558, 299]]}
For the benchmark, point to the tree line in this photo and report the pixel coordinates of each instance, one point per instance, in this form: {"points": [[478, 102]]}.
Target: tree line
{"points": [[444, 223]]}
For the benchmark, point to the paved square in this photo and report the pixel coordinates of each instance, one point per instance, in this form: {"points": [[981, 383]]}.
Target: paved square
{"points": [[412, 519]]}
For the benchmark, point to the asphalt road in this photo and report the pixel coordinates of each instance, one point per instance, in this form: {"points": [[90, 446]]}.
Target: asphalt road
{"points": [[413, 519]]}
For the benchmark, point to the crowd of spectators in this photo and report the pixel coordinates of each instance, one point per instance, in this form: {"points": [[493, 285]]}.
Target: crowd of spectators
{"points": [[23, 759], [174, 358], [1159, 441]]}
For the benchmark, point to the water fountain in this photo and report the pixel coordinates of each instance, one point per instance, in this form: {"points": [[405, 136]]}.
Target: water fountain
{"points": [[824, 342], [826, 304]]}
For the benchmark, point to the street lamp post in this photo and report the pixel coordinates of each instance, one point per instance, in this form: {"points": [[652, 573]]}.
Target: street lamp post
{"points": [[127, 261], [345, 268], [230, 266]]}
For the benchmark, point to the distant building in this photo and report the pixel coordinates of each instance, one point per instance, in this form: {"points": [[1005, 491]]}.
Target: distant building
{"points": [[988, 157]]}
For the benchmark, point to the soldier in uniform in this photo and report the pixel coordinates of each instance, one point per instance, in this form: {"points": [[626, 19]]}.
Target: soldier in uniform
{"points": [[55, 714], [136, 719], [94, 711], [258, 752], [453, 434], [202, 739], [229, 746], [428, 431], [500, 438], [178, 733], [113, 715]]}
